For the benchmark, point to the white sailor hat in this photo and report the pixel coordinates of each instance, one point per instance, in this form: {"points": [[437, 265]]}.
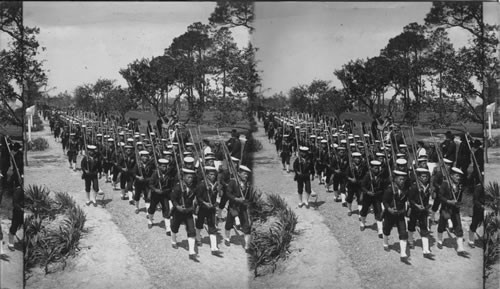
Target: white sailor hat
{"points": [[121, 144], [170, 146], [297, 127], [130, 139], [106, 135], [352, 145], [377, 141], [187, 153], [139, 143], [320, 137], [366, 135], [84, 126], [144, 153], [356, 136], [245, 169], [188, 171], [324, 141], [375, 163], [401, 161], [189, 144], [163, 161], [335, 135], [380, 155], [400, 155], [457, 170], [403, 145], [399, 173], [286, 135], [168, 153], [163, 139], [341, 148], [422, 170], [121, 133], [99, 135], [189, 160], [72, 134], [312, 136], [129, 147], [422, 158], [152, 133], [343, 141], [304, 149], [91, 147], [111, 139], [447, 161], [207, 158], [335, 145], [356, 154], [210, 169], [235, 159]]}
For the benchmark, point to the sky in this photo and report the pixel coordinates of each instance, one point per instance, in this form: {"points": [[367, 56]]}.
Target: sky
{"points": [[88, 41], [300, 42]]}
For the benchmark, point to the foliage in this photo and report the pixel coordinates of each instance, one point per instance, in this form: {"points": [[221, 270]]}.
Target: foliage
{"points": [[20, 71], [38, 144], [233, 14], [318, 97], [52, 233], [103, 96], [270, 245], [491, 237]]}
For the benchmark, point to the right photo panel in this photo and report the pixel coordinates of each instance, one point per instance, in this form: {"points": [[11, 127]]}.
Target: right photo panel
{"points": [[377, 122]]}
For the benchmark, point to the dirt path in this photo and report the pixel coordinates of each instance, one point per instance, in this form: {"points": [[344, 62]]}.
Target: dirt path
{"points": [[332, 249], [125, 253], [317, 260], [11, 262]]}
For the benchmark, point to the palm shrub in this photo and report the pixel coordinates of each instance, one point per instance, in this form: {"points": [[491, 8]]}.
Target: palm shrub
{"points": [[53, 230], [271, 242], [491, 238]]}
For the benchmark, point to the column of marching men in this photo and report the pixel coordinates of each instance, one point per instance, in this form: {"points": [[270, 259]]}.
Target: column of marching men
{"points": [[164, 170], [404, 182]]}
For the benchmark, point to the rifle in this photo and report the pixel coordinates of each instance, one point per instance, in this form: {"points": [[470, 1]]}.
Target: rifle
{"points": [[444, 171]]}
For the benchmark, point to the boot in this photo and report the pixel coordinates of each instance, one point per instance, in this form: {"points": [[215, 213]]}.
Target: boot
{"points": [[342, 198], [471, 239], [247, 241], [150, 221], [440, 240], [88, 199], [362, 223], [124, 194], [460, 245], [167, 225], [94, 198], [147, 205], [130, 198], [349, 207], [386, 243], [410, 240], [227, 237], [379, 229], [425, 245], [307, 200], [11, 242], [198, 237], [173, 240], [213, 242], [301, 203], [137, 207], [288, 168], [402, 245], [191, 243]]}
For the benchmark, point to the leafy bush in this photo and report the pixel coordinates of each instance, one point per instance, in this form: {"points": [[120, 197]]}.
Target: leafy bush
{"points": [[53, 230], [38, 144], [252, 145]]}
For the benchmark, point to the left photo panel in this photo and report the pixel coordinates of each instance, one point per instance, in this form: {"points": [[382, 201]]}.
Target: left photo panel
{"points": [[17, 68], [139, 144]]}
